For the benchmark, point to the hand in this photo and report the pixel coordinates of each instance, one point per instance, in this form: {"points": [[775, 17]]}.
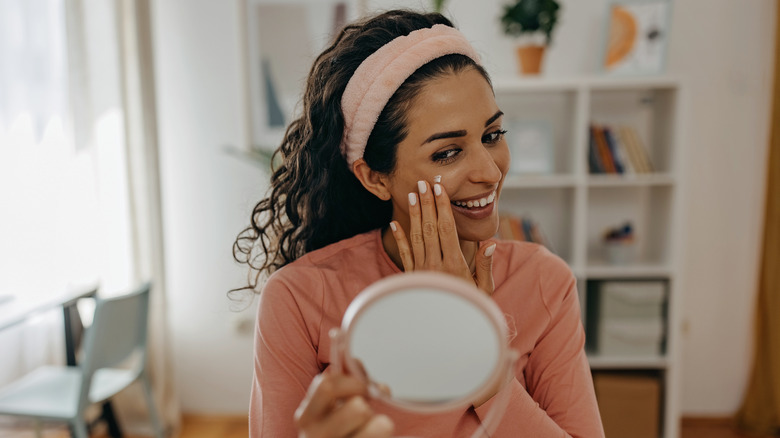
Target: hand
{"points": [[335, 406], [434, 235]]}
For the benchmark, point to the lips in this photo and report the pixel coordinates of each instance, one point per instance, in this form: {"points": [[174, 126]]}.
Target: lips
{"points": [[476, 202], [476, 208]]}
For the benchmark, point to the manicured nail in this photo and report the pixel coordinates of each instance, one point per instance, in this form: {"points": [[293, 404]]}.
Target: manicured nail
{"points": [[437, 179], [422, 187], [392, 225], [412, 199], [490, 249], [437, 189]]}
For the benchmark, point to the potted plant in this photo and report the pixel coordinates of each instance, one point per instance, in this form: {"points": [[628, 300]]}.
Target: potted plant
{"points": [[533, 21], [438, 5]]}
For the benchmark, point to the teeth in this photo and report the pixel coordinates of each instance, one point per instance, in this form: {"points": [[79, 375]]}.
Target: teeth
{"points": [[477, 203]]}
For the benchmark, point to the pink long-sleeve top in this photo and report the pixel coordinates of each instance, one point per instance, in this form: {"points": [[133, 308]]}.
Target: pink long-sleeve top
{"points": [[552, 393]]}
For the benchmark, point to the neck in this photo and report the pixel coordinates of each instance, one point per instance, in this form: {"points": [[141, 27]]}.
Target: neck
{"points": [[467, 247]]}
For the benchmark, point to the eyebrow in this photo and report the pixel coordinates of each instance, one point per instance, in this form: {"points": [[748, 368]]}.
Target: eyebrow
{"points": [[462, 132]]}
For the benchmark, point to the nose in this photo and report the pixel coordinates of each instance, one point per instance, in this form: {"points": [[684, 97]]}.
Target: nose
{"points": [[484, 167]]}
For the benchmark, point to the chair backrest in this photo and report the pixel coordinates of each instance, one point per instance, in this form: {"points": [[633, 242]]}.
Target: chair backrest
{"points": [[118, 330]]}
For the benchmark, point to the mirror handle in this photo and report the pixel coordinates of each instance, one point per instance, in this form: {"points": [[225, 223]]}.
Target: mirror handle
{"points": [[336, 348], [496, 412]]}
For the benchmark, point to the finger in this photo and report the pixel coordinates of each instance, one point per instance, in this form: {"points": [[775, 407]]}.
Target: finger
{"points": [[384, 389], [484, 268], [380, 426], [448, 232], [429, 226], [403, 246], [350, 417], [325, 390], [415, 230]]}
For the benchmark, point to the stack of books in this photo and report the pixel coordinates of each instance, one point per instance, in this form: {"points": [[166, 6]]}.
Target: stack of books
{"points": [[617, 150], [511, 227]]}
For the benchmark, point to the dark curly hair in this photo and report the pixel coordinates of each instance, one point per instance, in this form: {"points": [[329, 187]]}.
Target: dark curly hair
{"points": [[315, 199]]}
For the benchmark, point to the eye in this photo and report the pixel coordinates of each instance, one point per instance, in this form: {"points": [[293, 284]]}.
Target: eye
{"points": [[445, 156], [493, 137]]}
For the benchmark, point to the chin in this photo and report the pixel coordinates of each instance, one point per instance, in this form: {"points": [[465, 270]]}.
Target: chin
{"points": [[478, 232]]}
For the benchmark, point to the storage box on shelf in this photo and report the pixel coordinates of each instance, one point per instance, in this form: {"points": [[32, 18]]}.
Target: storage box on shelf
{"points": [[628, 318], [574, 207], [629, 404], [553, 108]]}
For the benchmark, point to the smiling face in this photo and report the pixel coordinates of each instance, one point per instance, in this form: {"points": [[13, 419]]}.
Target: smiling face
{"points": [[454, 130]]}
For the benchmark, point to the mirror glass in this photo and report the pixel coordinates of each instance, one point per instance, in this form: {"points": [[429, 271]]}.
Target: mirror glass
{"points": [[428, 344]]}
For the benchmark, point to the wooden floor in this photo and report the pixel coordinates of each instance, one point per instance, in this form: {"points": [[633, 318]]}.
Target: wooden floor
{"points": [[195, 426], [713, 428]]}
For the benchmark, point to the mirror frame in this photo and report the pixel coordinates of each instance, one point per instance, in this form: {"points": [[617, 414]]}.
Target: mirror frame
{"points": [[424, 280]]}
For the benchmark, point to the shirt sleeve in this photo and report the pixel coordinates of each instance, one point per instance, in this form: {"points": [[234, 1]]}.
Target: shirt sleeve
{"points": [[559, 400], [285, 359]]}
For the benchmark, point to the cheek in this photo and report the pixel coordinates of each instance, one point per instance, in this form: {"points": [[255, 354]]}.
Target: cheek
{"points": [[502, 157]]}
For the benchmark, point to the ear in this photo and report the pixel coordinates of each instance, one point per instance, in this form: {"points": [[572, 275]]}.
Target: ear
{"points": [[372, 180]]}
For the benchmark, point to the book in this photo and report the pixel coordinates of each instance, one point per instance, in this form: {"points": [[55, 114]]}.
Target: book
{"points": [[631, 152], [623, 154], [641, 157], [613, 149], [617, 150], [603, 149], [594, 158]]}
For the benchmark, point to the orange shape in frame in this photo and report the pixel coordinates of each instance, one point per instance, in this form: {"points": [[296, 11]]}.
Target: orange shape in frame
{"points": [[622, 35]]}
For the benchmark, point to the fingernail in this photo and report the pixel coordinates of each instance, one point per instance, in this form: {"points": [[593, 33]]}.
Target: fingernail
{"points": [[412, 199], [490, 249], [422, 187], [437, 189], [437, 179], [392, 225]]}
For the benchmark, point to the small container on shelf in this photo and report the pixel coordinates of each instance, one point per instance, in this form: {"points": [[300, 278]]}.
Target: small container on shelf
{"points": [[619, 245]]}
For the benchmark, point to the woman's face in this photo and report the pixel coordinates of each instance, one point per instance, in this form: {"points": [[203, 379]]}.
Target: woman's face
{"points": [[454, 130]]}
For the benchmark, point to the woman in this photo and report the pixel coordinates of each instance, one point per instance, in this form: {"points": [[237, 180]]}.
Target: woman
{"points": [[397, 165]]}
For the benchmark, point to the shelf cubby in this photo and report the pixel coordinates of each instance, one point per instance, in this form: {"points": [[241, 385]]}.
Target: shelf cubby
{"points": [[550, 207]]}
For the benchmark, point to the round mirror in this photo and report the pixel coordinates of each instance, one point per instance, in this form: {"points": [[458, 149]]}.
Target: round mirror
{"points": [[435, 341]]}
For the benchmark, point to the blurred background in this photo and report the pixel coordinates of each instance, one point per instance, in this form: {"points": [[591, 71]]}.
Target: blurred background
{"points": [[134, 142]]}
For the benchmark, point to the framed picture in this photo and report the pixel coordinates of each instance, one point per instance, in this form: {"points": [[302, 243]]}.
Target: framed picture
{"points": [[636, 36], [531, 144], [283, 39]]}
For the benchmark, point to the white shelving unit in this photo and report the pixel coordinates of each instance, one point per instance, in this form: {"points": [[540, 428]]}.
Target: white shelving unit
{"points": [[574, 207]]}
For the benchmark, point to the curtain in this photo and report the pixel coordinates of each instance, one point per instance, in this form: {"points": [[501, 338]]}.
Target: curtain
{"points": [[47, 186], [140, 115], [760, 410]]}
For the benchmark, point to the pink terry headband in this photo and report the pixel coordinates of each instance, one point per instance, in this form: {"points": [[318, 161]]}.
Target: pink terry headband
{"points": [[382, 73]]}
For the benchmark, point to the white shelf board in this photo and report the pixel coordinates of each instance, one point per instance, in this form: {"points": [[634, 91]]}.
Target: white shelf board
{"points": [[631, 180], [599, 362], [599, 269], [539, 181], [509, 84], [606, 83]]}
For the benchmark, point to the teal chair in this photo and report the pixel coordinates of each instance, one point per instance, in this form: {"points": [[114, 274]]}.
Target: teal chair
{"points": [[62, 393]]}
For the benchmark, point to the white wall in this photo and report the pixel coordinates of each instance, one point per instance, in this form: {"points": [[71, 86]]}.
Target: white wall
{"points": [[724, 50], [207, 197], [720, 48]]}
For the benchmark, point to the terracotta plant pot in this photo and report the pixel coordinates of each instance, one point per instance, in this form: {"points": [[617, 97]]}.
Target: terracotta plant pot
{"points": [[530, 59]]}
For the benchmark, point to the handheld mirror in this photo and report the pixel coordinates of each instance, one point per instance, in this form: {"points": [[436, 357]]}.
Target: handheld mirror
{"points": [[436, 341]]}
